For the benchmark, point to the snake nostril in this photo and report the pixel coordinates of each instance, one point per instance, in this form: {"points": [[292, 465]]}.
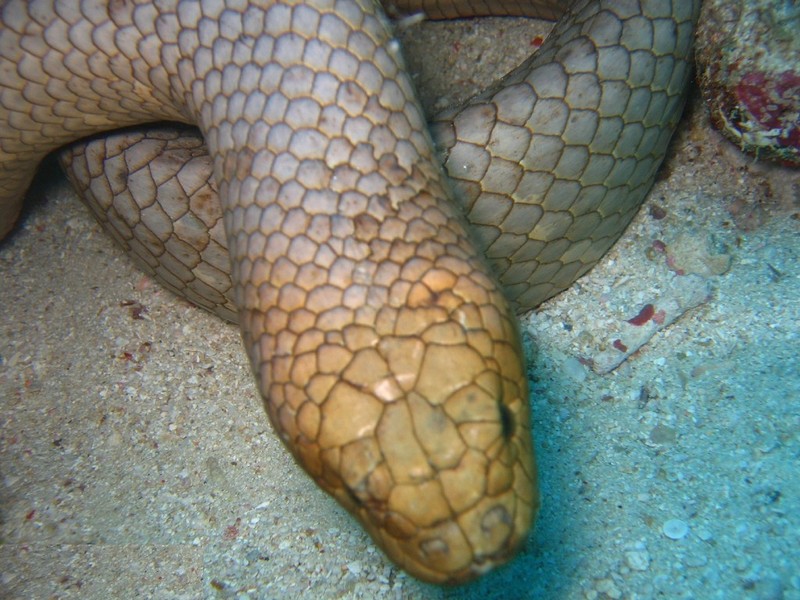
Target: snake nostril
{"points": [[506, 420]]}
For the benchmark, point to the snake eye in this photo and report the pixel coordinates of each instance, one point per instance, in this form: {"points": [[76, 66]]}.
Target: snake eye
{"points": [[506, 421]]}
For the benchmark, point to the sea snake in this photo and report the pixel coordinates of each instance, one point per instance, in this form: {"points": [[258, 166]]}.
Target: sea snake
{"points": [[386, 353]]}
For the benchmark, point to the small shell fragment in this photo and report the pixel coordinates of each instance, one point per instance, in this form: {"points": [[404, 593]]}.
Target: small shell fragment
{"points": [[675, 529]]}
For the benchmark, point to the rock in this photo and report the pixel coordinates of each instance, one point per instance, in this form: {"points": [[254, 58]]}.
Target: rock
{"points": [[748, 57]]}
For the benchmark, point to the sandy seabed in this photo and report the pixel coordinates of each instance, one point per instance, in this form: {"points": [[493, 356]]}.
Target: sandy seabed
{"points": [[137, 461]]}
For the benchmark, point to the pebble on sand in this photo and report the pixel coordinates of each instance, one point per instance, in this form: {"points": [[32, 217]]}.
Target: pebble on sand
{"points": [[675, 529]]}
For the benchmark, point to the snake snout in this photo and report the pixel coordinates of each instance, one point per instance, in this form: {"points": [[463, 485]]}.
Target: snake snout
{"points": [[444, 478]]}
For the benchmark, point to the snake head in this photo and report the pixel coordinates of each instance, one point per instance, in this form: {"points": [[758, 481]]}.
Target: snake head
{"points": [[445, 482], [414, 416]]}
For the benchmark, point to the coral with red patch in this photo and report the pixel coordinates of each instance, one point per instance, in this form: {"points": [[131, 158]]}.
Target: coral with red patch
{"points": [[747, 68], [773, 103]]}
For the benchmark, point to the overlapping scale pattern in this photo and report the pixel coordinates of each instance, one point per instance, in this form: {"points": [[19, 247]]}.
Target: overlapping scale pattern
{"points": [[552, 163], [385, 352]]}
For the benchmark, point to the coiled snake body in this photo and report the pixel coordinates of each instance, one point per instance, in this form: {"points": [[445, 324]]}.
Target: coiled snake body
{"points": [[386, 353]]}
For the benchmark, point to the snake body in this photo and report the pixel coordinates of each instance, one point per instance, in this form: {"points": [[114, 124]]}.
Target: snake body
{"points": [[385, 351]]}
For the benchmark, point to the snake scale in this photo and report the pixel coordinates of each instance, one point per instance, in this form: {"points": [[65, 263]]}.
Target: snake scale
{"points": [[386, 353]]}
